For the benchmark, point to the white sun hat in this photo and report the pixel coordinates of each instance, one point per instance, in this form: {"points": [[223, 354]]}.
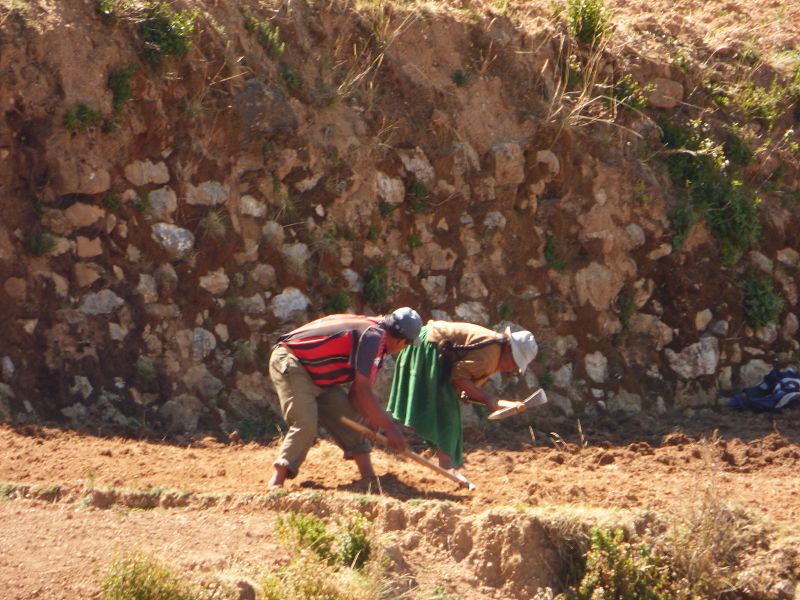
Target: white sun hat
{"points": [[523, 347]]}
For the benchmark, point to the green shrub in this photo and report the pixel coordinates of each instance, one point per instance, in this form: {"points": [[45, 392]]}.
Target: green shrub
{"points": [[587, 20], [307, 531], [291, 77], [762, 304], [460, 77], [107, 9], [166, 32], [760, 103], [553, 256], [376, 284], [413, 240], [505, 310], [701, 168], [353, 544], [682, 217], [119, 82], [616, 569], [338, 302], [268, 36], [629, 94], [142, 577], [736, 149], [80, 117], [39, 243]]}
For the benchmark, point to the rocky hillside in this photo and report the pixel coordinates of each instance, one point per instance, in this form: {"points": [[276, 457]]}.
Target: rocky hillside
{"points": [[181, 182]]}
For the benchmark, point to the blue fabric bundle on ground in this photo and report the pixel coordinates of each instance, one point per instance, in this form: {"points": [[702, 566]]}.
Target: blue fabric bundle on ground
{"points": [[776, 391]]}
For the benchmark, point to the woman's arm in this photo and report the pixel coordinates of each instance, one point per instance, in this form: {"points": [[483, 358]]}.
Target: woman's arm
{"points": [[473, 391]]}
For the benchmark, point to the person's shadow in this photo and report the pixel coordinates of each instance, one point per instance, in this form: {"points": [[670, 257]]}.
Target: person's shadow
{"points": [[390, 486]]}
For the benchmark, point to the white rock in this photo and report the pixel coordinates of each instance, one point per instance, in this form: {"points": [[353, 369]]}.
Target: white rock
{"points": [[208, 193], [178, 242], [700, 358], [215, 282], [563, 376], [147, 288], [144, 172], [752, 372], [509, 163], [473, 312], [636, 234], [83, 215], [789, 256], [163, 203], [761, 261], [7, 368], [251, 207], [665, 93], [353, 279], [289, 303], [415, 161], [790, 327], [472, 286], [253, 305], [82, 386], [264, 275], [702, 319], [203, 343], [182, 413], [625, 401], [435, 287], [103, 302], [390, 189], [596, 366], [494, 220]]}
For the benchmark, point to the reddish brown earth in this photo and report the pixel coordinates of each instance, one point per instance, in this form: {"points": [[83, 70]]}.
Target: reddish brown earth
{"points": [[53, 545]]}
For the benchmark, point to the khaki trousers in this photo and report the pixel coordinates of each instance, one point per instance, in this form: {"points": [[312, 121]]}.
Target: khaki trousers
{"points": [[305, 406]]}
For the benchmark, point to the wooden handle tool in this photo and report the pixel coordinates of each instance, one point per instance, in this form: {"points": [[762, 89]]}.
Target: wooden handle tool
{"points": [[381, 439]]}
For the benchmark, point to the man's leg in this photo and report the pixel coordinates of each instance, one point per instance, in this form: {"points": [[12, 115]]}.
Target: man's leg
{"points": [[297, 395], [334, 403]]}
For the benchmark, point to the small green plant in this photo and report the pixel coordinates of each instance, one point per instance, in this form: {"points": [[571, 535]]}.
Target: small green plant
{"points": [[642, 194], [587, 20], [616, 568], [553, 256], [142, 577], [460, 77], [413, 240], [682, 62], [385, 208], [80, 117], [337, 303], [112, 200], [307, 531], [165, 32], [762, 304], [626, 307], [39, 243], [119, 82], [761, 103], [214, 224], [107, 9], [142, 205], [353, 544], [736, 149], [505, 310], [629, 94], [268, 36], [376, 284], [291, 77], [546, 380], [6, 492]]}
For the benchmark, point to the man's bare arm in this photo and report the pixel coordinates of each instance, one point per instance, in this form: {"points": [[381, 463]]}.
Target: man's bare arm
{"points": [[363, 400]]}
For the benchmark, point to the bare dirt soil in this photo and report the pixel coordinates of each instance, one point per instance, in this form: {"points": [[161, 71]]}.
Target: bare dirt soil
{"points": [[56, 544]]}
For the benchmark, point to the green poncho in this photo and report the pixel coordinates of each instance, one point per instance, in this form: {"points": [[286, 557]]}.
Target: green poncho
{"points": [[421, 402]]}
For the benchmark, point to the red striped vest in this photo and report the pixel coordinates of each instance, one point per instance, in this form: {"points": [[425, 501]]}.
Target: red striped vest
{"points": [[327, 347]]}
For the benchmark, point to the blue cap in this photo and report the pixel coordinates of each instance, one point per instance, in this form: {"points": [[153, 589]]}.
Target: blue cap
{"points": [[405, 323]]}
